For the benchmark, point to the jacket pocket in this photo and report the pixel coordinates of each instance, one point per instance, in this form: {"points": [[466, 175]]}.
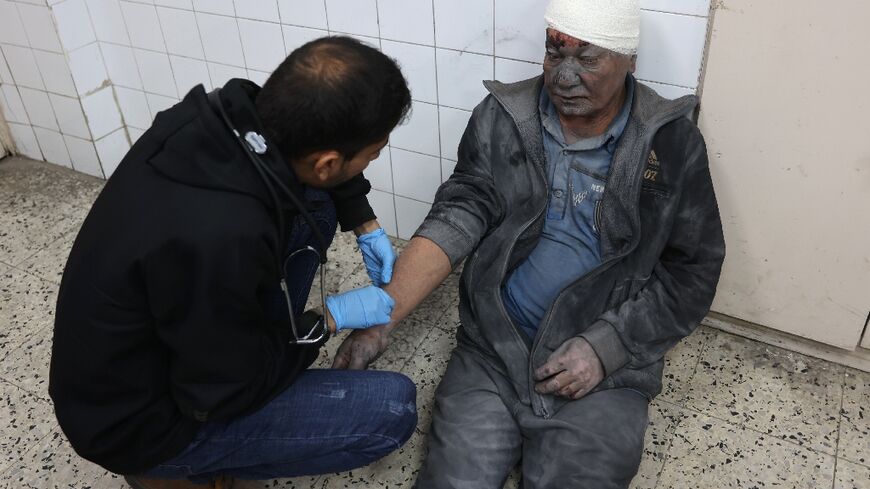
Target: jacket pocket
{"points": [[654, 190]]}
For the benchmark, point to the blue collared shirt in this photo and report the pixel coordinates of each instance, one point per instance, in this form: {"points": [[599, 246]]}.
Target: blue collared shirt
{"points": [[569, 245]]}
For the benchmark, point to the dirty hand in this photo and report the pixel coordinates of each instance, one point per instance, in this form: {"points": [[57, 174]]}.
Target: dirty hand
{"points": [[360, 308], [378, 255], [360, 348], [572, 371]]}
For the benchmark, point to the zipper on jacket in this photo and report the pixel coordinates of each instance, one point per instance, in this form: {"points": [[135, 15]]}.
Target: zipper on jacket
{"points": [[503, 273], [516, 329], [592, 274], [543, 329], [519, 335]]}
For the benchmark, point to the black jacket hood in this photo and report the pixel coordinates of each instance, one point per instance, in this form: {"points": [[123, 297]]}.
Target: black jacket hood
{"points": [[204, 152]]}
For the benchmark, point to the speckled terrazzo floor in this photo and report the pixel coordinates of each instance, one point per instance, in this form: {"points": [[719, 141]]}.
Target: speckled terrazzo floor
{"points": [[734, 414]]}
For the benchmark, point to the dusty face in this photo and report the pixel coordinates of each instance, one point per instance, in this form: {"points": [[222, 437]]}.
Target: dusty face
{"points": [[583, 80]]}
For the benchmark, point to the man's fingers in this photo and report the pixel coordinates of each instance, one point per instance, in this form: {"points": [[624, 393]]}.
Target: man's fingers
{"points": [[571, 390], [555, 383], [552, 367], [580, 393]]}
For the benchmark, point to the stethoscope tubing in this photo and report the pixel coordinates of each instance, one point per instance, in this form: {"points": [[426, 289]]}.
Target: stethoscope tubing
{"points": [[270, 179]]}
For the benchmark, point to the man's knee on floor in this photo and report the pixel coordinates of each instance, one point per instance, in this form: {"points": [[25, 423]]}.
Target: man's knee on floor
{"points": [[396, 417]]}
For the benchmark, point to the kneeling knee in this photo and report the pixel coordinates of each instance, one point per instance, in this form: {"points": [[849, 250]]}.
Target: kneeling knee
{"points": [[399, 410]]}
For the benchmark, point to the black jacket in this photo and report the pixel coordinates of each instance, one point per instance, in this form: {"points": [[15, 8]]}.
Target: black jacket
{"points": [[160, 321]]}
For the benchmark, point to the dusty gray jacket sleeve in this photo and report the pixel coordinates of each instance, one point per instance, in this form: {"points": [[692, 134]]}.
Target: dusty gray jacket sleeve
{"points": [[681, 287], [467, 205]]}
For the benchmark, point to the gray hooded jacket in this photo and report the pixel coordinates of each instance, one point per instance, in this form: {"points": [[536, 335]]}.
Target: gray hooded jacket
{"points": [[661, 240]]}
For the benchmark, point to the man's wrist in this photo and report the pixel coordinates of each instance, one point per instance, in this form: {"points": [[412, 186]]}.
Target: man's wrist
{"points": [[366, 227], [605, 342]]}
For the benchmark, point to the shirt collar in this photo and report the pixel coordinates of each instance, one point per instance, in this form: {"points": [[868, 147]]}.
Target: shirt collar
{"points": [[608, 140]]}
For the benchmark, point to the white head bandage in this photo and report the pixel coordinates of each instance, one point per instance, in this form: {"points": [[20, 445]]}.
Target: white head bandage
{"points": [[611, 24]]}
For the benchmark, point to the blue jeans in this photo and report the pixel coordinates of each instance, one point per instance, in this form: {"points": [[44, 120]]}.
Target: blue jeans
{"points": [[326, 421]]}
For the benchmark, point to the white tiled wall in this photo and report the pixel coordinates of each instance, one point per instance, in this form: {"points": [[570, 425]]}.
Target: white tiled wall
{"points": [[80, 80]]}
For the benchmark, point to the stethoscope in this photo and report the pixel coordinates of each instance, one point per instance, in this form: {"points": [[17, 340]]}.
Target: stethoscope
{"points": [[254, 145]]}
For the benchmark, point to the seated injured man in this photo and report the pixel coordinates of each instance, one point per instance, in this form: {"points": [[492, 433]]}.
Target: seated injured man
{"points": [[583, 206]]}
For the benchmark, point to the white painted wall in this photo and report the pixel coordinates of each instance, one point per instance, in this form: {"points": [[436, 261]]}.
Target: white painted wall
{"points": [[82, 79], [784, 112]]}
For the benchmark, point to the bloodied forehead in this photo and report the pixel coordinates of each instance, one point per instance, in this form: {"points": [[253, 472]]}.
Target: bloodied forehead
{"points": [[561, 40]]}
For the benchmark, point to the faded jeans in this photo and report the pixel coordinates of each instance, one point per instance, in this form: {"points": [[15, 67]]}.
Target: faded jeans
{"points": [[326, 421]]}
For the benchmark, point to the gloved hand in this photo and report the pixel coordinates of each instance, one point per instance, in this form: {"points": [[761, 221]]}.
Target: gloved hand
{"points": [[378, 255], [360, 308]]}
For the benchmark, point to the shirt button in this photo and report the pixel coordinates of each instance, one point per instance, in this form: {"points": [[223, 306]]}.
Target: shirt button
{"points": [[558, 193]]}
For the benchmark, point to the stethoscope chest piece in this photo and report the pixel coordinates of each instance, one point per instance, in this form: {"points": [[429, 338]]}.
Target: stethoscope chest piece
{"points": [[256, 142]]}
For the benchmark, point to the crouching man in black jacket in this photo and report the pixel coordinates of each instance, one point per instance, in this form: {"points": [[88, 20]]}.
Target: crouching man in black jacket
{"points": [[181, 346]]}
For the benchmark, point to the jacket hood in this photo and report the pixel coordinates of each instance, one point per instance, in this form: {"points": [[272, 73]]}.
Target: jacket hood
{"points": [[198, 149]]}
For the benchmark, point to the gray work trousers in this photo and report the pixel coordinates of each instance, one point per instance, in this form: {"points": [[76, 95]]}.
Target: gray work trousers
{"points": [[480, 431]]}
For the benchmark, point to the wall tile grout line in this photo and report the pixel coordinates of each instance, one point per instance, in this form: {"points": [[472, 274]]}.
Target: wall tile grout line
{"points": [[493, 39], [21, 19], [171, 68], [138, 73], [437, 94], [283, 39], [202, 46], [18, 88], [392, 193], [684, 14], [418, 152], [378, 23], [241, 41]]}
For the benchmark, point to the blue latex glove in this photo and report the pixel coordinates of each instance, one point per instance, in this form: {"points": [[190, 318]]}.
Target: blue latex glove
{"points": [[360, 308], [378, 255]]}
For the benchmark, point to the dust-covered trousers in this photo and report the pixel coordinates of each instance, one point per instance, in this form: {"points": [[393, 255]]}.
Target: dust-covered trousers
{"points": [[481, 430]]}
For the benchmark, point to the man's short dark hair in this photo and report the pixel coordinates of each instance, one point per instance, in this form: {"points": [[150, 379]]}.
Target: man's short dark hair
{"points": [[333, 93]]}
